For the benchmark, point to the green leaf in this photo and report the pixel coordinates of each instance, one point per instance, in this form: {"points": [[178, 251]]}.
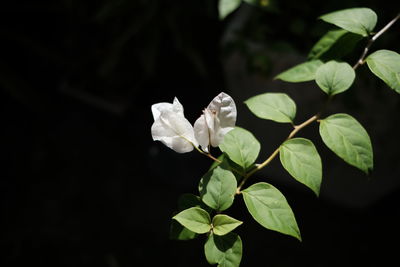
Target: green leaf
{"points": [[179, 232], [241, 147], [195, 219], [218, 188], [335, 77], [223, 224], [226, 250], [386, 65], [300, 73], [301, 159], [226, 7], [278, 107], [228, 164], [269, 208], [185, 201], [361, 21], [345, 136], [335, 44]]}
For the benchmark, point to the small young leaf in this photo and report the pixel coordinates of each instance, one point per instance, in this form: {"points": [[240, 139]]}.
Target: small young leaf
{"points": [[335, 77], [195, 219], [345, 136], [226, 7], [361, 21], [241, 147], [300, 73], [217, 188], [301, 159], [335, 44], [269, 208], [386, 65], [223, 224], [226, 250], [278, 107]]}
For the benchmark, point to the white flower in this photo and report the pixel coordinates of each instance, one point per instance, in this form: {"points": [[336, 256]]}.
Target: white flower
{"points": [[171, 127], [217, 120]]}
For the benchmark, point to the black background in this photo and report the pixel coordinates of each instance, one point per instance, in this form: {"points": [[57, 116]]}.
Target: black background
{"points": [[83, 184]]}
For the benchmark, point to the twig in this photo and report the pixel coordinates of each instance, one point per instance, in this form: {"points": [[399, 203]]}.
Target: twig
{"points": [[296, 129], [361, 60]]}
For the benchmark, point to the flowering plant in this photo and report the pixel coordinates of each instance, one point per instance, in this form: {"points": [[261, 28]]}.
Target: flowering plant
{"points": [[226, 178]]}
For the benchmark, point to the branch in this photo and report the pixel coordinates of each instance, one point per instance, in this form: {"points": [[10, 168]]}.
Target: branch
{"points": [[296, 129], [361, 60]]}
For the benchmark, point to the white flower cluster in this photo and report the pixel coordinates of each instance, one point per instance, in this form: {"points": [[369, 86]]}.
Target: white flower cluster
{"points": [[175, 131]]}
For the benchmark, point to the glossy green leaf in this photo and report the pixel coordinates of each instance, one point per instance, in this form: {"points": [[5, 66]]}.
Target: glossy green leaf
{"points": [[217, 188], [195, 219], [357, 20], [386, 65], [300, 73], [335, 77], [301, 159], [223, 224], [226, 7], [241, 147], [226, 250], [345, 136], [335, 44], [269, 207], [278, 107]]}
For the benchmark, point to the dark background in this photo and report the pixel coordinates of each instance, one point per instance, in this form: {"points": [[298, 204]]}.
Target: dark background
{"points": [[83, 184]]}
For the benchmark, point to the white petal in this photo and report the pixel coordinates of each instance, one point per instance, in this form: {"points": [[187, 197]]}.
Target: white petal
{"points": [[218, 136], [175, 131], [156, 109], [225, 107], [176, 106], [224, 110], [201, 132]]}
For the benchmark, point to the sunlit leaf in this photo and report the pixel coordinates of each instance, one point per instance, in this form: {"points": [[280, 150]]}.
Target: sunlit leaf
{"points": [[300, 73], [278, 107], [386, 65], [357, 20], [217, 188], [269, 207], [241, 146], [177, 230], [345, 136], [195, 219], [335, 77], [301, 159], [223, 224]]}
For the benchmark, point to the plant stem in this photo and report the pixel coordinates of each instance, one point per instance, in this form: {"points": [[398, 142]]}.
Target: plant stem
{"points": [[296, 129], [361, 60], [207, 154], [217, 160]]}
